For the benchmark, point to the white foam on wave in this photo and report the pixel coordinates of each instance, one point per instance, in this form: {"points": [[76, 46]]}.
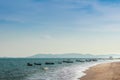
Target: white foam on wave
{"points": [[73, 72]]}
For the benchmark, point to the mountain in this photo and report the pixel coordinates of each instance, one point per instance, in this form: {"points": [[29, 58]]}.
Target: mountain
{"points": [[74, 55], [70, 55]]}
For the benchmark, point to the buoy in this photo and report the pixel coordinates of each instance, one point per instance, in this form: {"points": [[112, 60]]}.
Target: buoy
{"points": [[45, 68]]}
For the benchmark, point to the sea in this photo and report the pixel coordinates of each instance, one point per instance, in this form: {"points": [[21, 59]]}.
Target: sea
{"points": [[17, 68]]}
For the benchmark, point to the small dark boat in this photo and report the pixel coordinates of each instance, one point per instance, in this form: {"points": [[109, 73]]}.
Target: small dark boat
{"points": [[94, 60], [80, 61], [49, 63], [37, 64], [68, 61], [29, 64], [88, 60]]}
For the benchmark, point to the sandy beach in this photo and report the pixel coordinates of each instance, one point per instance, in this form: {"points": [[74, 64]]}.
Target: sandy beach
{"points": [[105, 71]]}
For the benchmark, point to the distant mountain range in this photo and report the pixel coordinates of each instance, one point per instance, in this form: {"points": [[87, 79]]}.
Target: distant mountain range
{"points": [[73, 55]]}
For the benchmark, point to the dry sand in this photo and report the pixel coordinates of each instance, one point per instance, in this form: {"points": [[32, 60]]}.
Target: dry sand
{"points": [[106, 71]]}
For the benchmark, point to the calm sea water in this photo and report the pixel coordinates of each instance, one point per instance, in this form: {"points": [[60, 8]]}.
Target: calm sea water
{"points": [[17, 69]]}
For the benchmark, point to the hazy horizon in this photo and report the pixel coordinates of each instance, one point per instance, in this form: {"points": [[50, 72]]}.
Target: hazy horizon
{"points": [[108, 55], [28, 27]]}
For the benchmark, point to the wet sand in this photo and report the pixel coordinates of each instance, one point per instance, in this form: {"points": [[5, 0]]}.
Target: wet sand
{"points": [[105, 71]]}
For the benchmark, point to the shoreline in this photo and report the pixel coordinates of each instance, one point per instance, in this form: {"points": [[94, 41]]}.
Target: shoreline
{"points": [[104, 71]]}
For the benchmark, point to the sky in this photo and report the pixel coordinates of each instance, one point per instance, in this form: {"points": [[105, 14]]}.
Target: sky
{"points": [[29, 27]]}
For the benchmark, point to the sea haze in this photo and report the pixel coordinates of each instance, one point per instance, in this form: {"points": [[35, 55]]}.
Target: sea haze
{"points": [[73, 55]]}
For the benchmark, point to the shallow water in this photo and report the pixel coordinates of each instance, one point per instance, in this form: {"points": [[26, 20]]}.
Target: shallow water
{"points": [[17, 69]]}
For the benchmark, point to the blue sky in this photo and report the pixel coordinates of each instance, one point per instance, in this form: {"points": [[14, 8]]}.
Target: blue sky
{"points": [[28, 27]]}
